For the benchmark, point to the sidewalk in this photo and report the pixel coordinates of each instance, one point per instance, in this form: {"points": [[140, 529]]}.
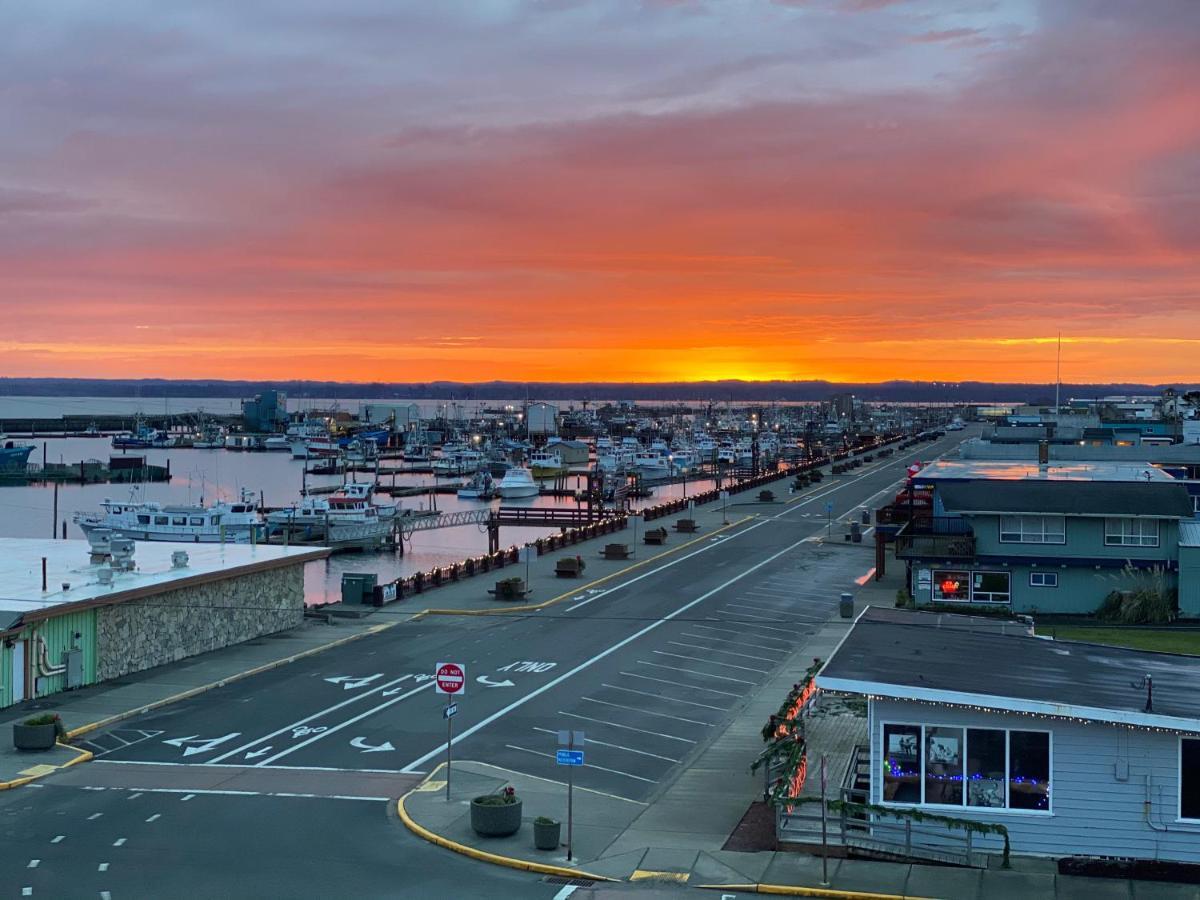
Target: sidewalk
{"points": [[678, 837], [99, 705]]}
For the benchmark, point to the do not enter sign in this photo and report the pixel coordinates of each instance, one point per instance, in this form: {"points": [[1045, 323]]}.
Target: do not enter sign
{"points": [[450, 678]]}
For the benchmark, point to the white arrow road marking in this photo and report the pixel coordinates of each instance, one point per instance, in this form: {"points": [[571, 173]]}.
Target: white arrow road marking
{"points": [[349, 682], [483, 679], [203, 745], [255, 754], [361, 744], [396, 690], [324, 734]]}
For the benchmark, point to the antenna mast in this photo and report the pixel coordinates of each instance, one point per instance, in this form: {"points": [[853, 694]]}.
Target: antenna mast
{"points": [[1058, 375]]}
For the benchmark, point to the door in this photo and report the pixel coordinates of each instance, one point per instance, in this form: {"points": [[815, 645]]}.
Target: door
{"points": [[18, 671]]}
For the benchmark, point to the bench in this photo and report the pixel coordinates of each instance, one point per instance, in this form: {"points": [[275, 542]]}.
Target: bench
{"points": [[656, 536], [509, 589], [615, 551], [570, 567], [687, 526]]}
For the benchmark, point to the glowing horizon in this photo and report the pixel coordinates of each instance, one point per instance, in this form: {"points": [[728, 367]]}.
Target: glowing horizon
{"points": [[843, 190]]}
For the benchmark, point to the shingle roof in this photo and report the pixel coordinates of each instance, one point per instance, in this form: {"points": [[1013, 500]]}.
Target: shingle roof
{"points": [[959, 660], [1189, 534], [1081, 498]]}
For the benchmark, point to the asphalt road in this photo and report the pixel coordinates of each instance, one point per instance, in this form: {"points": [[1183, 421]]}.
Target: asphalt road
{"points": [[285, 773]]}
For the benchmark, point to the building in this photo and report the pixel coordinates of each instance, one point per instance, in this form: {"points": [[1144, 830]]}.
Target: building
{"points": [[88, 619], [572, 453], [266, 413], [399, 416], [1050, 539], [1076, 749], [541, 419]]}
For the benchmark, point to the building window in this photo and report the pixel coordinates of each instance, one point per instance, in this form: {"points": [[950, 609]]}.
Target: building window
{"points": [[986, 767], [1189, 778], [951, 586], [902, 763], [944, 766], [990, 587], [1043, 579], [1033, 530], [1131, 532], [995, 768], [1029, 770]]}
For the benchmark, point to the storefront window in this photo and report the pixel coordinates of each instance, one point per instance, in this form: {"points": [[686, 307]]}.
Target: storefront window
{"points": [[944, 765], [1029, 770], [952, 586], [985, 767], [1189, 778], [990, 587], [902, 763]]}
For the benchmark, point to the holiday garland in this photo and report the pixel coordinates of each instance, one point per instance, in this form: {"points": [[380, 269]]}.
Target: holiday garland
{"points": [[784, 734]]}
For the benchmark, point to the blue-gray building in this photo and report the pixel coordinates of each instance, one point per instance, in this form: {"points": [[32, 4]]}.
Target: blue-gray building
{"points": [[266, 413], [1046, 539], [1077, 749]]}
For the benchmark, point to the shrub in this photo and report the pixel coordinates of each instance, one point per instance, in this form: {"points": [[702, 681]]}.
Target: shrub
{"points": [[505, 797], [904, 600], [545, 820], [43, 719], [1148, 600]]}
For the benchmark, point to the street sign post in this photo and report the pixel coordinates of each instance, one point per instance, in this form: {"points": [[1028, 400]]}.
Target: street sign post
{"points": [[450, 679], [724, 502], [570, 757], [828, 521]]}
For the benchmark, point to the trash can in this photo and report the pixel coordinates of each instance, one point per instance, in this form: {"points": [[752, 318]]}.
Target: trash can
{"points": [[846, 606], [358, 587], [866, 517], [856, 532]]}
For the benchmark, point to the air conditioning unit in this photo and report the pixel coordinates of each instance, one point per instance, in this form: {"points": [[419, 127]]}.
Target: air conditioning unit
{"points": [[100, 540], [122, 553], [105, 575]]}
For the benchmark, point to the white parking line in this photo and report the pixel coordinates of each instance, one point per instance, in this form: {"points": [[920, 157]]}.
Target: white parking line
{"points": [[690, 687], [585, 765], [617, 687], [616, 747], [155, 817], [33, 864], [566, 892], [709, 637], [646, 712], [746, 615], [761, 637], [737, 617], [711, 662], [119, 842], [645, 662], [766, 659], [57, 839], [94, 816], [103, 867], [669, 737]]}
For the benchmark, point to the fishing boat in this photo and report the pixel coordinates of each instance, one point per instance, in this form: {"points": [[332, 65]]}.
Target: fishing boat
{"points": [[225, 521], [277, 443], [14, 456], [518, 482], [313, 447], [312, 511], [480, 487], [211, 437], [546, 464]]}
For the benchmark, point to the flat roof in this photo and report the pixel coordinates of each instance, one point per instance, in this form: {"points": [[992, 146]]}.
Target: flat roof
{"points": [[1189, 534], [962, 661], [22, 598], [1021, 470], [1079, 498]]}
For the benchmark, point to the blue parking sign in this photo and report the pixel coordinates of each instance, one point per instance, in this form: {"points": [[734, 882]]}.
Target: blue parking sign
{"points": [[570, 758]]}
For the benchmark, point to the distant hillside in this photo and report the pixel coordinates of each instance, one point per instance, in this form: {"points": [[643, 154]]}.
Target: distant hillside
{"points": [[717, 391]]}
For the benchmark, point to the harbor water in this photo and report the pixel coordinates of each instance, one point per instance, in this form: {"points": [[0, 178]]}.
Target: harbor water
{"points": [[208, 475]]}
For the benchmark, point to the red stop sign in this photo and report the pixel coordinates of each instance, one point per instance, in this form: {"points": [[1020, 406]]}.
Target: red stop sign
{"points": [[450, 678]]}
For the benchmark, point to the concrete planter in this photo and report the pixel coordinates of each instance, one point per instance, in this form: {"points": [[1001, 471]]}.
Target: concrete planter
{"points": [[34, 737], [495, 820], [547, 835]]}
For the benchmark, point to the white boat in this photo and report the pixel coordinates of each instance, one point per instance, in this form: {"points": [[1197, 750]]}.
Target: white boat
{"points": [[312, 510], [233, 522], [314, 447], [458, 462], [481, 487], [653, 464], [518, 482], [278, 442], [617, 459]]}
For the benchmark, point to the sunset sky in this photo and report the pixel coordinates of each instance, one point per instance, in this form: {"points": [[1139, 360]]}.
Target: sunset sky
{"points": [[662, 190]]}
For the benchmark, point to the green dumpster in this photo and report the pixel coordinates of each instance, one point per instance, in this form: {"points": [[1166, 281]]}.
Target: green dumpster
{"points": [[358, 587]]}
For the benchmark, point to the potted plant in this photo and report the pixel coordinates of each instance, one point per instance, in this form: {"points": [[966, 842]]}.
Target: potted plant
{"points": [[547, 833], [496, 815], [37, 732]]}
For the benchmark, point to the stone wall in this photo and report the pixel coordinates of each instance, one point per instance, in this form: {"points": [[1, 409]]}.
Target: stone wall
{"points": [[173, 625]]}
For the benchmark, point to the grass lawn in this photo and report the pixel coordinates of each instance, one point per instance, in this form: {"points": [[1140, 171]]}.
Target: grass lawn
{"points": [[1167, 640]]}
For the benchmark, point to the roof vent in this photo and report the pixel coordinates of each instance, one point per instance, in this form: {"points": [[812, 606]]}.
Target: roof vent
{"points": [[122, 554], [105, 575], [179, 559], [100, 540]]}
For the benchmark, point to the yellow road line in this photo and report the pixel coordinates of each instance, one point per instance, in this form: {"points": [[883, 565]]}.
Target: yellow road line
{"points": [[40, 771], [790, 890]]}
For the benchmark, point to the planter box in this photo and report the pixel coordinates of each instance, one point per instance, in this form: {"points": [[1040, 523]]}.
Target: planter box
{"points": [[491, 820], [547, 835], [34, 737]]}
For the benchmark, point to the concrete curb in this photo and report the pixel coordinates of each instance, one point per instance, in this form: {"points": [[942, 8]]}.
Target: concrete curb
{"points": [[788, 890], [534, 607], [238, 676], [83, 756], [482, 855]]}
